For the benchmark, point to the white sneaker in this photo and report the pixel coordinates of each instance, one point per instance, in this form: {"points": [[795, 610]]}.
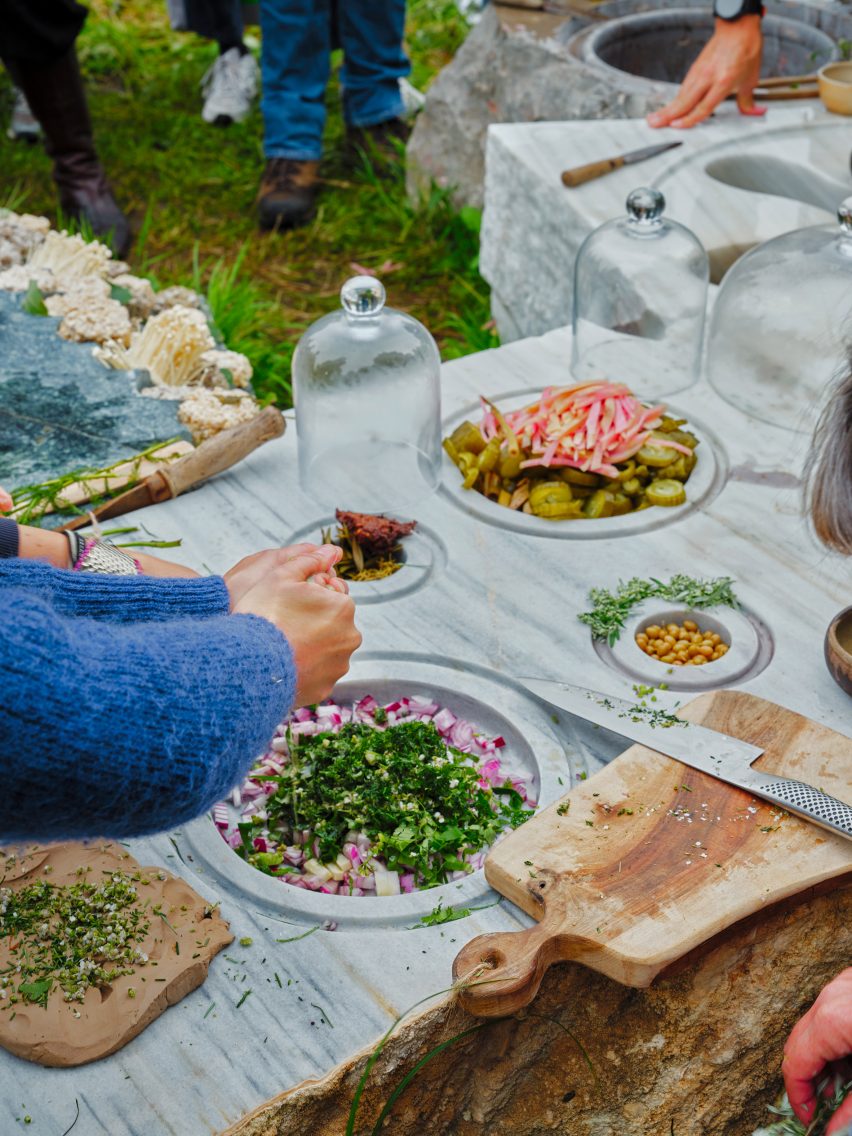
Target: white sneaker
{"points": [[413, 100], [23, 125], [229, 88]]}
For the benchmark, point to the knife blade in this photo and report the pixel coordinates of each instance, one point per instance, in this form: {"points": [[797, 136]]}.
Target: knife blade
{"points": [[213, 456], [579, 175], [709, 751]]}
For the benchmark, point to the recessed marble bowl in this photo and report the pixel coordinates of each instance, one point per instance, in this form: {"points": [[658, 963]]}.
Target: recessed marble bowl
{"points": [[838, 649]]}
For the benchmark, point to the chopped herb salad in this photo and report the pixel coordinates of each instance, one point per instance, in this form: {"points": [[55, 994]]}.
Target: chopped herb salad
{"points": [[374, 800]]}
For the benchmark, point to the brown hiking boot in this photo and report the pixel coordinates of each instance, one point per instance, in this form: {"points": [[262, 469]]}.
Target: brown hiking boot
{"points": [[381, 144], [287, 194]]}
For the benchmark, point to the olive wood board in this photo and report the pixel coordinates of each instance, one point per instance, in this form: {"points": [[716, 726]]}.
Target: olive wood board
{"points": [[649, 859], [179, 949]]}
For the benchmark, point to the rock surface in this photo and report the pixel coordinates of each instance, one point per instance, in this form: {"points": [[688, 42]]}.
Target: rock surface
{"points": [[61, 409], [697, 1053]]}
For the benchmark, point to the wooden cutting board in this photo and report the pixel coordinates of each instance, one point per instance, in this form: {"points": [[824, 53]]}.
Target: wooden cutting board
{"points": [[649, 859]]}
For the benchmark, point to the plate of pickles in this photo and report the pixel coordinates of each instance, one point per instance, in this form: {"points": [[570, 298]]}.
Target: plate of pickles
{"points": [[592, 454]]}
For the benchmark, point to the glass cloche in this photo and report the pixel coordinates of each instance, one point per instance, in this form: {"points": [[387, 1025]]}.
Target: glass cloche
{"points": [[366, 384], [640, 295], [781, 323]]}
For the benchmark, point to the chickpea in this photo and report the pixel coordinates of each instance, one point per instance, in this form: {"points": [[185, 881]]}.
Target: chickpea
{"points": [[715, 639], [672, 628], [692, 650], [722, 648], [653, 631], [706, 651], [698, 660], [667, 658], [642, 640], [688, 625], [682, 633]]}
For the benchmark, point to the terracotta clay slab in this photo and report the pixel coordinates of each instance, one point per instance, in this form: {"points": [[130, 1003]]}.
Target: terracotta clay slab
{"points": [[179, 953], [649, 858]]}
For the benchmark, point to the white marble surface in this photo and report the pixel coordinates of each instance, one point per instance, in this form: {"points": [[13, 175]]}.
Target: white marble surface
{"points": [[533, 225], [504, 604]]}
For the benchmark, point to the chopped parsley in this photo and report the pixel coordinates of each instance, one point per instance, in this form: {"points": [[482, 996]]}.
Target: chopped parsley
{"points": [[418, 800], [71, 937]]}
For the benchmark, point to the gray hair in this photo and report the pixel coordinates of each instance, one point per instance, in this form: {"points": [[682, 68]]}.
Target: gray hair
{"points": [[828, 471]]}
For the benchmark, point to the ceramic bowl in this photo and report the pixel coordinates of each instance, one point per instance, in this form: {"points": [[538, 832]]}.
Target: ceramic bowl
{"points": [[838, 649], [835, 87]]}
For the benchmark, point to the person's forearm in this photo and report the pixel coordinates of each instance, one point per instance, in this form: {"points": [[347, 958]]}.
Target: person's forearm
{"points": [[43, 544], [160, 722], [119, 599]]}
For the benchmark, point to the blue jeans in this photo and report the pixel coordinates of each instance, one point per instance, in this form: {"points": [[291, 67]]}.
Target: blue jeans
{"points": [[298, 36]]}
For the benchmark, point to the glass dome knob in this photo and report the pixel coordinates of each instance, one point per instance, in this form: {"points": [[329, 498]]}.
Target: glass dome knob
{"points": [[645, 204], [363, 296]]}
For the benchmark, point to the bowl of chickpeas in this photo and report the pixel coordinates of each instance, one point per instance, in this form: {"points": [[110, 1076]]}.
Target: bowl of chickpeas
{"points": [[688, 643], [688, 649]]}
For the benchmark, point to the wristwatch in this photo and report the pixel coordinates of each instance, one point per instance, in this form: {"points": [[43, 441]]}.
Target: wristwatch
{"points": [[90, 555], [732, 9]]}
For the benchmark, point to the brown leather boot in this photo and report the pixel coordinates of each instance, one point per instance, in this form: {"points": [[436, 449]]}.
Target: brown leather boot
{"points": [[288, 193], [57, 98], [380, 144]]}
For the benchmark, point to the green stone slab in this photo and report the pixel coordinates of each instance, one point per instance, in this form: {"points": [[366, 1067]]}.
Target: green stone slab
{"points": [[60, 409]]}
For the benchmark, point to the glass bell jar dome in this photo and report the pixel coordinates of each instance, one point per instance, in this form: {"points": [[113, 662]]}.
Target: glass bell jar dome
{"points": [[781, 323], [366, 385], [640, 295]]}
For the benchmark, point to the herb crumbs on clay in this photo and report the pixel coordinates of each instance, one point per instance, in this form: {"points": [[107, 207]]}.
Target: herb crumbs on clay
{"points": [[71, 937]]}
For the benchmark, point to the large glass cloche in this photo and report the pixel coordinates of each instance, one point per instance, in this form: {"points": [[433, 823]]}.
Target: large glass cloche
{"points": [[640, 295], [781, 323], [366, 384]]}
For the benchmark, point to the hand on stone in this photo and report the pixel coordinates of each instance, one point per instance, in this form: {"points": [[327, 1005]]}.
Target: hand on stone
{"points": [[728, 64], [819, 1040], [318, 622], [252, 569]]}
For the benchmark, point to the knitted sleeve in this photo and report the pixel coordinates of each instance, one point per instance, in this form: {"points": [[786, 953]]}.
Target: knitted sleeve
{"points": [[124, 731], [118, 599]]}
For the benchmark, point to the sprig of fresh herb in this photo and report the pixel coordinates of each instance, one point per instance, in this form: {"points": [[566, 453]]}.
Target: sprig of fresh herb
{"points": [[789, 1125], [610, 609]]}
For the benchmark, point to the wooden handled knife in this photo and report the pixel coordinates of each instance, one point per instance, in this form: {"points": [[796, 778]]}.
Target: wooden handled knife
{"points": [[211, 457], [579, 175]]}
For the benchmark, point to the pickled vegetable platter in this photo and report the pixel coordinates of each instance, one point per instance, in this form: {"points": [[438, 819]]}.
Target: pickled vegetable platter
{"points": [[581, 452]]}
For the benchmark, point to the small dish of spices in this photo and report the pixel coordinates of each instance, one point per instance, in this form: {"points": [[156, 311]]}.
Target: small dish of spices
{"points": [[682, 644]]}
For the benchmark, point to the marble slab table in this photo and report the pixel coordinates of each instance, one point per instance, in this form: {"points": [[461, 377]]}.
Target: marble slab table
{"points": [[483, 603], [734, 181]]}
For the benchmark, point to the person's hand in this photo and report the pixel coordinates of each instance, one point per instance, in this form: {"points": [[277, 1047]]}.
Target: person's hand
{"points": [[317, 621], [728, 64], [820, 1038], [251, 570], [6, 502]]}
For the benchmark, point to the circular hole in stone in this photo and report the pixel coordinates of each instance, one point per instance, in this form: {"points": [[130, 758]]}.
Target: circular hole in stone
{"points": [[705, 482], [494, 704], [661, 46], [750, 647], [423, 556]]}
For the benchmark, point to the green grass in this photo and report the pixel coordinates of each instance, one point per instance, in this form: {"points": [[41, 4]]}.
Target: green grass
{"points": [[190, 189]]}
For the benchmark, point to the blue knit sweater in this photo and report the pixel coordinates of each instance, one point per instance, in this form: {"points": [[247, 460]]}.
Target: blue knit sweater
{"points": [[128, 704]]}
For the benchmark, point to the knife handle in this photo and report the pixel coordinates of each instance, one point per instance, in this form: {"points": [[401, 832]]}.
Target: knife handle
{"points": [[581, 174], [222, 451], [806, 801]]}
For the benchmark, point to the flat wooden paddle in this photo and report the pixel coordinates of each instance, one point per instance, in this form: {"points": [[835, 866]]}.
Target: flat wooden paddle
{"points": [[649, 859]]}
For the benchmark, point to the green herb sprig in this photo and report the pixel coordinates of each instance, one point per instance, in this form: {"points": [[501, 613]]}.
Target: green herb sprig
{"points": [[610, 609]]}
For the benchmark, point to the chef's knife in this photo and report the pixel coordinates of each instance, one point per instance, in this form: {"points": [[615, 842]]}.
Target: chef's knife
{"points": [[711, 752], [581, 174], [213, 456]]}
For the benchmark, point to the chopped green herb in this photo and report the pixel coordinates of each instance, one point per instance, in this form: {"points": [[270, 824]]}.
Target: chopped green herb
{"points": [[246, 941], [243, 997], [419, 801], [611, 609], [563, 808], [209, 1010]]}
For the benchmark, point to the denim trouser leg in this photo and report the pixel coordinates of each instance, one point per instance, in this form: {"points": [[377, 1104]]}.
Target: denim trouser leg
{"points": [[295, 68], [371, 34]]}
